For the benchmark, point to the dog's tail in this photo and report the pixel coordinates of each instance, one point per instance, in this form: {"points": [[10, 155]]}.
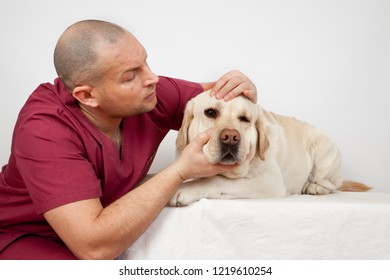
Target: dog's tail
{"points": [[351, 186]]}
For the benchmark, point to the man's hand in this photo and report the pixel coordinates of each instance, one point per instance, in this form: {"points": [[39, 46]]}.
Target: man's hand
{"points": [[231, 85], [192, 163]]}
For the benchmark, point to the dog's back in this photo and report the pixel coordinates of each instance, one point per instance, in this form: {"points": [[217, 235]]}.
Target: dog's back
{"points": [[308, 155]]}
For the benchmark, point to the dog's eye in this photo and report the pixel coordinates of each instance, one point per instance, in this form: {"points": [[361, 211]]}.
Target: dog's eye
{"points": [[244, 119], [211, 113]]}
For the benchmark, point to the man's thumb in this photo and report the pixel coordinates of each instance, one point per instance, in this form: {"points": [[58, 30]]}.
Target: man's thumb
{"points": [[203, 137]]}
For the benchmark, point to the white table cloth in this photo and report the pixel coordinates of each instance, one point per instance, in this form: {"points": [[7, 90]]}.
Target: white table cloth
{"points": [[336, 226]]}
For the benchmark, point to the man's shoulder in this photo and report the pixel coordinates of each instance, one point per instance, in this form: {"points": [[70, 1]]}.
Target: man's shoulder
{"points": [[47, 99]]}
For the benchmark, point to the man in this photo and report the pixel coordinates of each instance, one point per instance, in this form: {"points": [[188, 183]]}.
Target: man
{"points": [[81, 146]]}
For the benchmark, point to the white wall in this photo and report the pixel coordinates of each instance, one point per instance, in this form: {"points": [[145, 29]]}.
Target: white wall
{"points": [[327, 62]]}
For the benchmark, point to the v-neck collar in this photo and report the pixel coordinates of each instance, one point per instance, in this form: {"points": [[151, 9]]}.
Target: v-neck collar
{"points": [[72, 105]]}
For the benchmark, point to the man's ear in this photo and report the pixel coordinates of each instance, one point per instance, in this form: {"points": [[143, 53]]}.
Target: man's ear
{"points": [[84, 94]]}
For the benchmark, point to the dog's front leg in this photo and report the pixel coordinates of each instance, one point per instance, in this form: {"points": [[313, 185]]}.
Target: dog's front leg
{"points": [[191, 191], [220, 187]]}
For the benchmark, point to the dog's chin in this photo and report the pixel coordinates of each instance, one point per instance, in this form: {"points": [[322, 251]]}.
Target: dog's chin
{"points": [[240, 171], [242, 162], [230, 159], [226, 159]]}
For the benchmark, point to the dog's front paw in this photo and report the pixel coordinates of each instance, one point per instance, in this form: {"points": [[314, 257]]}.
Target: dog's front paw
{"points": [[183, 197], [173, 202]]}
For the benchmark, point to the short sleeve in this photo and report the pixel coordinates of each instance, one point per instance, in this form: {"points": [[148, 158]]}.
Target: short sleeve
{"points": [[173, 95]]}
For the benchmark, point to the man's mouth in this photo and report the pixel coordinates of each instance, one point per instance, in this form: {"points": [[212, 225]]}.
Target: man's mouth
{"points": [[152, 95]]}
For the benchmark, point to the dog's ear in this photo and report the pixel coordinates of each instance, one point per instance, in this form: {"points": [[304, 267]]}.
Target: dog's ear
{"points": [[182, 137], [263, 142]]}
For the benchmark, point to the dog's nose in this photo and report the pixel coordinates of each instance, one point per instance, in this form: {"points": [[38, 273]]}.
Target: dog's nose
{"points": [[230, 136]]}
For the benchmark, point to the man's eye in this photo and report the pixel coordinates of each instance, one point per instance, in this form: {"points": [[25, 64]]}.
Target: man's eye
{"points": [[211, 113], [129, 76]]}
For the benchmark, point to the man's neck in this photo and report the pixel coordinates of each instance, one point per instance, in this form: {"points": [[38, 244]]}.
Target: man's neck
{"points": [[111, 127]]}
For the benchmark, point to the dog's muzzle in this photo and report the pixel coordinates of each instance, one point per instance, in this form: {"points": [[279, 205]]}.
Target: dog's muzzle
{"points": [[229, 141]]}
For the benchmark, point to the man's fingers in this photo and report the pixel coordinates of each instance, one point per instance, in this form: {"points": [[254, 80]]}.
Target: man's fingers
{"points": [[223, 81], [203, 137], [233, 84], [251, 94], [234, 92]]}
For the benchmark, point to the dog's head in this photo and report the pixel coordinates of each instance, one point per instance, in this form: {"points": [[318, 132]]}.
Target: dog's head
{"points": [[238, 134]]}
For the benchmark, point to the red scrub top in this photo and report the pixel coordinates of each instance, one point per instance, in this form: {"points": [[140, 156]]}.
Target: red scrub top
{"points": [[58, 156]]}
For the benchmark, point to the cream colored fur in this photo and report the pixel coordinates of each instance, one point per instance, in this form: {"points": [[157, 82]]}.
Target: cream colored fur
{"points": [[277, 155]]}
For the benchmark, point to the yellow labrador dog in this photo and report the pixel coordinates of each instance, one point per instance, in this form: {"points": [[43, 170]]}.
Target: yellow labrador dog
{"points": [[276, 155]]}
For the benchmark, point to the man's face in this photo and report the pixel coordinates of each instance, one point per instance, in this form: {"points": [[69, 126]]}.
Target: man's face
{"points": [[128, 86]]}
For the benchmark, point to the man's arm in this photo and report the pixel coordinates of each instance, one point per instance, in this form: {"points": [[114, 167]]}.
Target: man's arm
{"points": [[93, 232]]}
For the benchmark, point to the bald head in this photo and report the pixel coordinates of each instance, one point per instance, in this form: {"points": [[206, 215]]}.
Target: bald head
{"points": [[76, 52]]}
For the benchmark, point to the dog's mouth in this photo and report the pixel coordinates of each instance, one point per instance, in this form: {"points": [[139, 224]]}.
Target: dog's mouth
{"points": [[226, 149], [229, 154]]}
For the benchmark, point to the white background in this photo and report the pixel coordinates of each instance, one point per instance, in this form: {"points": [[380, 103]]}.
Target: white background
{"points": [[326, 62]]}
